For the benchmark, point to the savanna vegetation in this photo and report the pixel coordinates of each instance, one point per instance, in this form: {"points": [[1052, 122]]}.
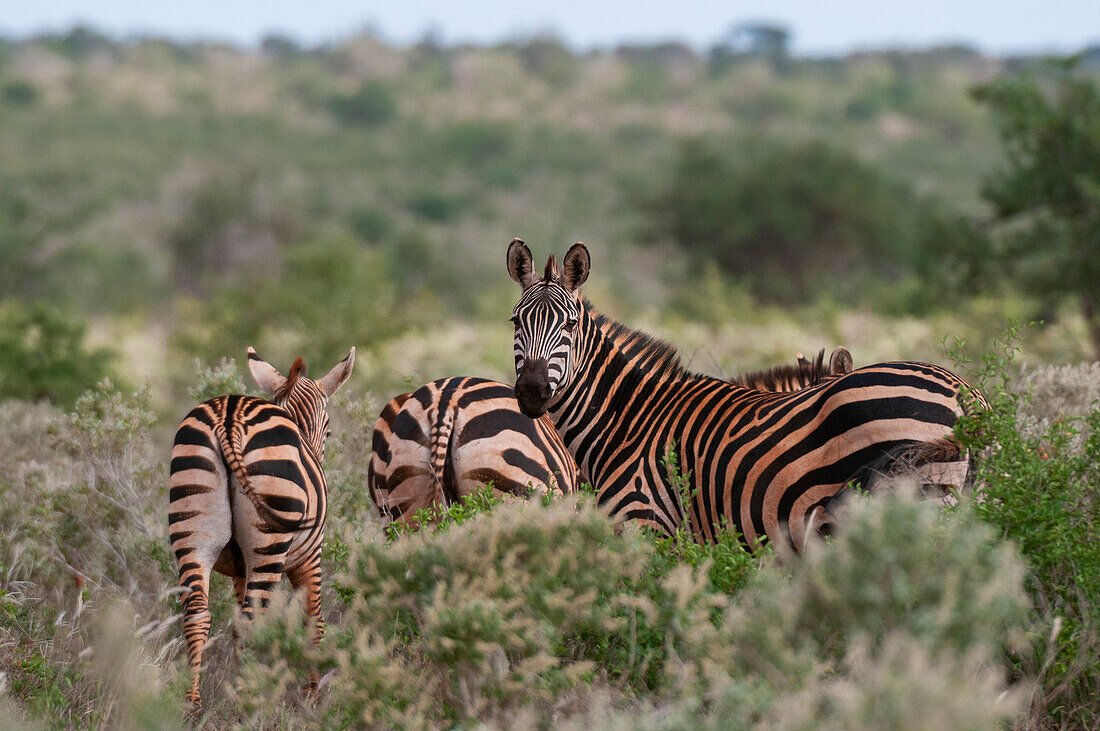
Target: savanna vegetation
{"points": [[165, 205]]}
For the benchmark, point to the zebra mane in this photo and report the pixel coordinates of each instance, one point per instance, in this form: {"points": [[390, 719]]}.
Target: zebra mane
{"points": [[785, 377], [643, 348], [552, 273]]}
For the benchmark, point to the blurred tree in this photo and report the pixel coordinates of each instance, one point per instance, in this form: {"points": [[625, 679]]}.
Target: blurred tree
{"points": [[42, 354], [430, 58], [764, 41], [228, 225], [19, 93], [370, 224], [1046, 198], [331, 294], [790, 219], [80, 43], [17, 240], [371, 105], [279, 47], [546, 57]]}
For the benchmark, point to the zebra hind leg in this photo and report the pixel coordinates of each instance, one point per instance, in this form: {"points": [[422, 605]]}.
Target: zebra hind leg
{"points": [[196, 630], [308, 577]]}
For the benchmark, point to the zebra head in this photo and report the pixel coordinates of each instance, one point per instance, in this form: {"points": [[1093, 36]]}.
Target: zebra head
{"points": [[303, 397], [545, 318]]}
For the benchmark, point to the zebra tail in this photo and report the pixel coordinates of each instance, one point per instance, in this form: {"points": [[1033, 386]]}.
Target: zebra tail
{"points": [[232, 450], [442, 428]]}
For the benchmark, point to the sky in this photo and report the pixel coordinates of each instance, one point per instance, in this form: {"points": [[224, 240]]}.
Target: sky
{"points": [[818, 26]]}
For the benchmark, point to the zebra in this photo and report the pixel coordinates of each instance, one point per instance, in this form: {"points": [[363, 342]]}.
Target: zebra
{"points": [[427, 462], [247, 496], [804, 373], [766, 464], [438, 443]]}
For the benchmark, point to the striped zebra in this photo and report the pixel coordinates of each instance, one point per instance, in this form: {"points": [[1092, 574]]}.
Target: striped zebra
{"points": [[767, 464], [247, 496], [424, 461], [804, 373], [440, 442]]}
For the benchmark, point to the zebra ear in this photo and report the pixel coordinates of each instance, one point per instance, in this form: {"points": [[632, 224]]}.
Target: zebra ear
{"points": [[520, 266], [264, 374], [575, 266], [336, 377], [840, 362]]}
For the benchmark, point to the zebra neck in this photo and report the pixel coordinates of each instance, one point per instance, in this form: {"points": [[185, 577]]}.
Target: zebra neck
{"points": [[612, 365], [306, 429]]}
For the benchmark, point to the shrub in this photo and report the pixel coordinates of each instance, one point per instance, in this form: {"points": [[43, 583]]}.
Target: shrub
{"points": [[535, 612], [1037, 475], [783, 215], [19, 93], [282, 316], [547, 58], [371, 224], [435, 206], [109, 525], [509, 609], [43, 354], [217, 380], [230, 224], [83, 527], [371, 105], [848, 635]]}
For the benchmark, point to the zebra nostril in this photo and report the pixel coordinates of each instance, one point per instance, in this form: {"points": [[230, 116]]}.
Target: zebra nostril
{"points": [[546, 391]]}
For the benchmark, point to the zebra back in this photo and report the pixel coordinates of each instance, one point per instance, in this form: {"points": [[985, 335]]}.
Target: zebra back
{"points": [[804, 373], [439, 443]]}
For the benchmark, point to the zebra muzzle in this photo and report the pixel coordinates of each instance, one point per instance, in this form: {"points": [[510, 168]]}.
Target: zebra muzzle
{"points": [[533, 388]]}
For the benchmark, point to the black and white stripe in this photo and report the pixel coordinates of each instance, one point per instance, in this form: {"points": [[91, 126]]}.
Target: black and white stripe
{"points": [[768, 464], [247, 496], [440, 442]]}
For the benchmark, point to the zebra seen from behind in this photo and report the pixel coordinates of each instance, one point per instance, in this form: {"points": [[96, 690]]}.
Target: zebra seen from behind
{"points": [[247, 496], [766, 464], [440, 442]]}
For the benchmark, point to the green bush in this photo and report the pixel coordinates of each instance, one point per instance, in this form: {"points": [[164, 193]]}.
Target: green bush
{"points": [[1038, 482], [371, 105], [43, 354], [547, 58], [533, 612], [371, 224], [435, 206], [217, 380], [331, 295], [791, 219], [844, 637], [81, 510], [19, 93], [502, 611]]}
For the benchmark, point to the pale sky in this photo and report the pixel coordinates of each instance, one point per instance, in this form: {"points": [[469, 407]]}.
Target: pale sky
{"points": [[819, 26]]}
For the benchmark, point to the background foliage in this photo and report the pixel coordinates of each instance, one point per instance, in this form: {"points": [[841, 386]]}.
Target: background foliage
{"points": [[164, 205]]}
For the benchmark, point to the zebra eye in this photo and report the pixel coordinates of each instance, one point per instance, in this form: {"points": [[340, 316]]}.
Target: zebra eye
{"points": [[515, 320], [569, 325]]}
